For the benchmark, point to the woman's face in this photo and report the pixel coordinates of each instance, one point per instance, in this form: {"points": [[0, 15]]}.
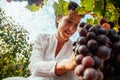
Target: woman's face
{"points": [[67, 25]]}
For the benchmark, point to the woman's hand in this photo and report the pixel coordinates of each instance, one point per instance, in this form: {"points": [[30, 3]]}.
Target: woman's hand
{"points": [[70, 64], [65, 65]]}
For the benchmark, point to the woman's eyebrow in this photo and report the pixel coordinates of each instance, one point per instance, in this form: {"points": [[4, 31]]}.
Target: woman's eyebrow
{"points": [[72, 19]]}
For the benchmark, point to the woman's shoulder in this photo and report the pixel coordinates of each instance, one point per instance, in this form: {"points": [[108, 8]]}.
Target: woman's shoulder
{"points": [[44, 36]]}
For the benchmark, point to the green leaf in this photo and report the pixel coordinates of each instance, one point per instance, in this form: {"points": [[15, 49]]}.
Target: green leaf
{"points": [[98, 7], [90, 21], [110, 7], [33, 7], [81, 10], [60, 7], [87, 4]]}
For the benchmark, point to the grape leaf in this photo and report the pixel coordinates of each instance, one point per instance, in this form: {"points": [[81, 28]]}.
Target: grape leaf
{"points": [[87, 4], [81, 10], [33, 7], [90, 21], [60, 7], [98, 7]]}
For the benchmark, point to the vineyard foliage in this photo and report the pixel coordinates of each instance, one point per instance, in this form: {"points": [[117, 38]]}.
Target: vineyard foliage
{"points": [[98, 9], [14, 48]]}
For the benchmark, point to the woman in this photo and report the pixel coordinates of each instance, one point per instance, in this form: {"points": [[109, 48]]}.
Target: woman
{"points": [[52, 56]]}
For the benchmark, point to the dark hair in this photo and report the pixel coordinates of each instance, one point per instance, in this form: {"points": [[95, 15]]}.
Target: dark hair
{"points": [[71, 6]]}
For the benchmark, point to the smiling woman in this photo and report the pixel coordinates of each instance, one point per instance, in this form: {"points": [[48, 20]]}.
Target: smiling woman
{"points": [[52, 56], [49, 61], [67, 25]]}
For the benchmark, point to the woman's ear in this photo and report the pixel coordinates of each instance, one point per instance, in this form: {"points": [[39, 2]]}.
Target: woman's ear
{"points": [[58, 18]]}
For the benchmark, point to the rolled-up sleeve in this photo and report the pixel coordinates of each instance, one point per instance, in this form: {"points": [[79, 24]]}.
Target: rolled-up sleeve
{"points": [[37, 66]]}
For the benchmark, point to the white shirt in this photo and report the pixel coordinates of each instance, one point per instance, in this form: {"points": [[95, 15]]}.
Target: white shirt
{"points": [[43, 60]]}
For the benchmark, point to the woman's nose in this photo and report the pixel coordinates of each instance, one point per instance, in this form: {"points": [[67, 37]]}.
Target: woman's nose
{"points": [[72, 28]]}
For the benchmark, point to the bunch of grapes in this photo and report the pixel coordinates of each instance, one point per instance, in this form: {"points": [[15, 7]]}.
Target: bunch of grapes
{"points": [[92, 49], [30, 2]]}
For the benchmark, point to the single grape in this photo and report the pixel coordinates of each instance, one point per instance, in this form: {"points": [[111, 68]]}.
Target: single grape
{"points": [[79, 58], [90, 74], [79, 70], [103, 52], [88, 61]]}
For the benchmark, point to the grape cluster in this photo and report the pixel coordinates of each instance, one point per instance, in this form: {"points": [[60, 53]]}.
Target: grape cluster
{"points": [[30, 2], [93, 48], [37, 2]]}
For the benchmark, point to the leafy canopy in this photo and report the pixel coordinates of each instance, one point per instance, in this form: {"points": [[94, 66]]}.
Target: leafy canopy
{"points": [[14, 48]]}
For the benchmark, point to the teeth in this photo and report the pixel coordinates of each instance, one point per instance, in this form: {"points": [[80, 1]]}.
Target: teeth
{"points": [[68, 33]]}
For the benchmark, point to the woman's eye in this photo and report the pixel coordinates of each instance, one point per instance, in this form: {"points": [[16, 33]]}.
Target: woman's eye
{"points": [[76, 25], [69, 22]]}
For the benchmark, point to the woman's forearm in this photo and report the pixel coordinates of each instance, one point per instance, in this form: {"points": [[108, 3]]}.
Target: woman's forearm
{"points": [[64, 66], [60, 69], [42, 68]]}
